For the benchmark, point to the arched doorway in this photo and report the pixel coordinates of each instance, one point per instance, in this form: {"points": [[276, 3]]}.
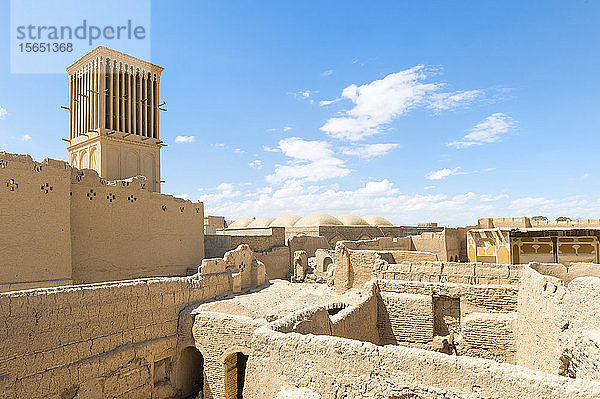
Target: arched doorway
{"points": [[190, 379], [235, 374]]}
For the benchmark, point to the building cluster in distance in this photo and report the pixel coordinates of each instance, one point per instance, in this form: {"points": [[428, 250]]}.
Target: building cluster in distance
{"points": [[110, 289]]}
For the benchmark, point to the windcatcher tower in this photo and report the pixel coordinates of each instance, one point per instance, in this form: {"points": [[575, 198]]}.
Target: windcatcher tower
{"points": [[114, 116]]}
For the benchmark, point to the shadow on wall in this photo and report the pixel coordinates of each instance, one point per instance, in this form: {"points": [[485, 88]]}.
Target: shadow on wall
{"points": [[190, 378]]}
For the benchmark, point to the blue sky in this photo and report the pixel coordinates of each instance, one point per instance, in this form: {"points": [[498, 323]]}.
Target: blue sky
{"points": [[417, 111]]}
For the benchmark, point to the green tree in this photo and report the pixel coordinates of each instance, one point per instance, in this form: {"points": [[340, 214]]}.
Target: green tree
{"points": [[563, 219], [539, 218]]}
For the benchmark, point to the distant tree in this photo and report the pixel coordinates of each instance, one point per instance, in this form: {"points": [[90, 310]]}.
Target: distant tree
{"points": [[539, 218], [563, 219]]}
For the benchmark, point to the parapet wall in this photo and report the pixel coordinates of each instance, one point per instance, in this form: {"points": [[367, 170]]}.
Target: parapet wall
{"points": [[120, 231], [35, 237], [68, 225], [99, 340], [109, 340]]}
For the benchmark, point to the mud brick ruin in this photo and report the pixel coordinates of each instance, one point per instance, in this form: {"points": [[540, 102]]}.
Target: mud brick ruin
{"points": [[109, 289]]}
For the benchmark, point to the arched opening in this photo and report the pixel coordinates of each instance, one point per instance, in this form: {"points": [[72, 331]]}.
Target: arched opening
{"points": [[326, 264], [235, 374], [190, 379]]}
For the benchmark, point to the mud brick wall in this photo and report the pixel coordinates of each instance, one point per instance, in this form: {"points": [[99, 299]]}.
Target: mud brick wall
{"points": [[334, 367], [35, 237], [491, 336], [404, 319], [474, 273], [98, 340]]}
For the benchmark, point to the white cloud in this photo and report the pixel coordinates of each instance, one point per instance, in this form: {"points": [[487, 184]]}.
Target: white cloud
{"points": [[270, 149], [378, 103], [375, 197], [304, 93], [26, 137], [185, 139], [239, 151], [490, 130], [256, 164], [492, 198], [370, 151], [428, 187], [324, 103], [327, 72], [221, 145], [224, 191], [448, 101], [441, 174], [311, 161], [3, 112], [383, 187], [283, 129]]}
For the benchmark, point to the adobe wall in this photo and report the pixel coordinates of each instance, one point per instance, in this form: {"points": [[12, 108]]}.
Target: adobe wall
{"points": [[447, 244], [121, 231], [234, 334], [358, 321], [259, 239], [215, 245], [310, 244], [566, 273], [558, 324], [474, 273], [277, 262], [69, 226], [35, 249], [540, 321], [98, 340], [484, 315], [353, 268], [334, 367]]}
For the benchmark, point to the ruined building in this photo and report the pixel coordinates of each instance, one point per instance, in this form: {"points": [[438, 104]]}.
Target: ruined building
{"points": [[108, 292]]}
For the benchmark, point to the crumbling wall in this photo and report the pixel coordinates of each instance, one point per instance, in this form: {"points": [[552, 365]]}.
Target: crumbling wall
{"points": [[357, 321], [405, 319], [540, 321], [475, 273], [567, 273], [122, 231], [234, 335], [335, 367], [259, 239], [99, 340], [353, 268], [277, 262], [412, 313], [307, 243], [35, 249]]}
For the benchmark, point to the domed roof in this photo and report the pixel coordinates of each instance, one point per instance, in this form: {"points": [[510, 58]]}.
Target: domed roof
{"points": [[352, 220], [285, 221], [262, 222], [240, 223], [375, 220], [318, 219]]}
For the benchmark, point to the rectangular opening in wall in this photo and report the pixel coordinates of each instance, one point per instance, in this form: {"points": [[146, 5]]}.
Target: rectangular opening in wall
{"points": [[162, 371], [446, 315]]}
